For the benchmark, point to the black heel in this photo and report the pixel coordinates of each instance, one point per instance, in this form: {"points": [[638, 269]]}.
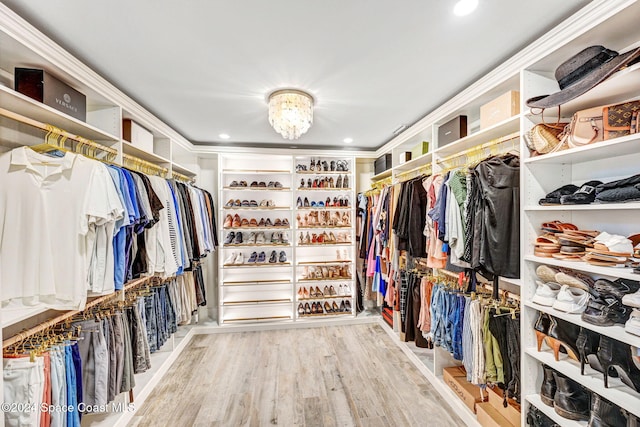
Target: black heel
{"points": [[617, 355], [587, 344]]}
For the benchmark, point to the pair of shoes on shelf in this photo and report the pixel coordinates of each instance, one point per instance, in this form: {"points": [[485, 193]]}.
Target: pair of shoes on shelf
{"points": [[572, 195], [607, 307], [279, 238], [240, 184], [277, 257], [234, 258], [561, 297]]}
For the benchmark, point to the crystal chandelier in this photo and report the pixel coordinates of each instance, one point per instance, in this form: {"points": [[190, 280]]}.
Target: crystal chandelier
{"points": [[290, 112]]}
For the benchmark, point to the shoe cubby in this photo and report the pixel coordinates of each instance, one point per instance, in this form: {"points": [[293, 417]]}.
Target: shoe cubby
{"points": [[579, 170]]}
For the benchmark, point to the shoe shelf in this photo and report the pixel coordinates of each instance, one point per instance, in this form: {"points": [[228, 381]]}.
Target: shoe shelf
{"points": [[258, 245], [323, 172], [257, 188], [257, 302], [617, 393], [324, 189], [259, 208], [255, 228], [590, 207], [616, 331], [345, 297], [336, 262], [256, 319], [316, 315], [256, 172], [534, 399], [333, 279], [325, 244], [322, 208], [256, 282], [623, 273], [321, 227], [258, 265]]}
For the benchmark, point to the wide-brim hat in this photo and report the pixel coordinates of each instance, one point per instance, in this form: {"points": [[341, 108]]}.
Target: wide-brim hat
{"points": [[582, 72]]}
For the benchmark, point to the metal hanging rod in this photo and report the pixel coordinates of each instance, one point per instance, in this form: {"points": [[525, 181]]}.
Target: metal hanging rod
{"points": [[478, 150]]}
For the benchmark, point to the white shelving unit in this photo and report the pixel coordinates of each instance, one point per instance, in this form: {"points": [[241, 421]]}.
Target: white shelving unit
{"points": [[605, 161]]}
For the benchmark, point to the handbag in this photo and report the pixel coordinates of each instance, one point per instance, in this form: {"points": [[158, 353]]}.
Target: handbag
{"points": [[620, 119], [544, 138], [585, 127]]}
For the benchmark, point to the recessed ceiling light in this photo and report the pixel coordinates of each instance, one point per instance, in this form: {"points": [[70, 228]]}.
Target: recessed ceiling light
{"points": [[347, 140], [224, 136], [465, 7]]}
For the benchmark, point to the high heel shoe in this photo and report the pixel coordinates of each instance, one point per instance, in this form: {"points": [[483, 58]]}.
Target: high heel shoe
{"points": [[587, 345], [541, 328], [307, 308], [300, 309], [327, 308], [563, 335], [617, 355], [334, 307], [347, 305]]}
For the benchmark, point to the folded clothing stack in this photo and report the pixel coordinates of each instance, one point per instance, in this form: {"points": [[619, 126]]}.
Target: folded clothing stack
{"points": [[620, 191]]}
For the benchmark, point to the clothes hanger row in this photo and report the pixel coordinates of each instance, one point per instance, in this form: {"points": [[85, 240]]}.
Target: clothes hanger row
{"points": [[469, 158]]}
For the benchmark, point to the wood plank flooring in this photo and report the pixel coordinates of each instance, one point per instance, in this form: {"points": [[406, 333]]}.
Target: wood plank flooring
{"points": [[328, 376]]}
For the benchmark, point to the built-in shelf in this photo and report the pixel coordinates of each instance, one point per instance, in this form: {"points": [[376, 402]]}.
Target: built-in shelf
{"points": [[302, 316], [22, 104], [259, 208], [324, 262], [258, 188], [617, 393], [419, 161], [257, 245], [258, 265], [333, 279], [256, 282], [315, 227], [324, 244], [257, 302], [323, 172], [382, 175], [322, 208], [182, 169], [590, 207], [516, 282], [324, 189], [535, 400], [256, 172], [325, 297], [624, 273], [616, 332], [255, 228], [129, 148], [498, 130], [255, 319], [616, 147], [11, 316]]}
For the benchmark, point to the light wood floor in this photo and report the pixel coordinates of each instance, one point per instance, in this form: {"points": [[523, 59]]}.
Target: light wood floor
{"points": [[329, 376]]}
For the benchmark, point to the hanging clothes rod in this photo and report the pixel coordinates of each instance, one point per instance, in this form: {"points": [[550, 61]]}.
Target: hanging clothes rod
{"points": [[67, 315], [127, 158], [180, 177], [478, 149]]}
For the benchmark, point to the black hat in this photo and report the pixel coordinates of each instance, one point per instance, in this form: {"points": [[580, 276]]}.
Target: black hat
{"points": [[582, 72]]}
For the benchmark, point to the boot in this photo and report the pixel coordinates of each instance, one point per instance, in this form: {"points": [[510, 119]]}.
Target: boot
{"points": [[587, 345], [542, 328], [605, 413], [563, 334], [571, 399], [613, 354], [548, 388]]}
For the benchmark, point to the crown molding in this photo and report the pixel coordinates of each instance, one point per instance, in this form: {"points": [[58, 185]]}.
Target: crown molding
{"points": [[577, 24]]}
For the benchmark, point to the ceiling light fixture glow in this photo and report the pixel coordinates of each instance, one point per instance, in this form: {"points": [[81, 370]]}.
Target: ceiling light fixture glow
{"points": [[347, 140], [465, 7], [290, 112], [224, 136]]}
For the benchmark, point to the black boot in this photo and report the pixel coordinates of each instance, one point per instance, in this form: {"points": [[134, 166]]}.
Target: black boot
{"points": [[587, 344], [548, 388], [535, 418], [605, 413], [613, 354], [571, 400], [563, 335]]}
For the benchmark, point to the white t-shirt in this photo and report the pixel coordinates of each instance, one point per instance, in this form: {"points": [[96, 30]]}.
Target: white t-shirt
{"points": [[49, 211]]}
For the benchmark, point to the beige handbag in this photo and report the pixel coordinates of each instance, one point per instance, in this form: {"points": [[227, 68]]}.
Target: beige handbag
{"points": [[544, 138], [585, 128]]}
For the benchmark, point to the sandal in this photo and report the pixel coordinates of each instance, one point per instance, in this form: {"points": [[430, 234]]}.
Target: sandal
{"points": [[557, 226]]}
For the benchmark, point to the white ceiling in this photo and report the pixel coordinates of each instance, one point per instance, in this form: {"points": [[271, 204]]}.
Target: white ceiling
{"points": [[206, 66]]}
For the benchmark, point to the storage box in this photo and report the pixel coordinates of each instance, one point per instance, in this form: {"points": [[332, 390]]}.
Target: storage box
{"points": [[511, 412], [453, 130], [419, 149], [137, 135], [467, 392], [500, 109], [43, 87], [404, 157], [382, 163], [488, 416]]}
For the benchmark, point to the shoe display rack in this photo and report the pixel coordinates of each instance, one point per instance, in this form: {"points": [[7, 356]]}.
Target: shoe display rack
{"points": [[325, 236], [550, 356], [255, 263], [287, 238]]}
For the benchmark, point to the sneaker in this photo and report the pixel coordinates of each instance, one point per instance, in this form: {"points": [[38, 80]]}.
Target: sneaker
{"points": [[238, 239], [275, 237], [632, 300], [284, 238], [264, 203], [340, 291], [546, 293], [571, 300], [239, 259], [633, 324], [283, 257], [253, 258], [252, 237], [261, 238], [262, 257], [231, 259], [273, 258], [229, 238]]}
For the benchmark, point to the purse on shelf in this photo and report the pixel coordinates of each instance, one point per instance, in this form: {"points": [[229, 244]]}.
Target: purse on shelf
{"points": [[544, 138], [585, 128], [620, 119]]}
